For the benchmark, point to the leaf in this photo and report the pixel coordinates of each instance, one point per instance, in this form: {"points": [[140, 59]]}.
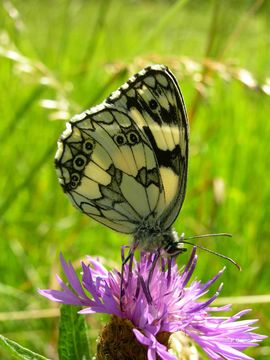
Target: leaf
{"points": [[18, 351], [73, 341]]}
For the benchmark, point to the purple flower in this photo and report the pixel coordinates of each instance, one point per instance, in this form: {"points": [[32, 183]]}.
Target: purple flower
{"points": [[156, 299]]}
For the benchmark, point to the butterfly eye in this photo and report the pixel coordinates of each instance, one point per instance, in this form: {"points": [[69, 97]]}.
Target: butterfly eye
{"points": [[75, 178], [133, 137], [79, 162], [120, 139], [88, 146], [153, 104]]}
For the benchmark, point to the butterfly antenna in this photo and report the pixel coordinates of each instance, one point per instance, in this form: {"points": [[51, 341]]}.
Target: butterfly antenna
{"points": [[211, 251], [205, 236]]}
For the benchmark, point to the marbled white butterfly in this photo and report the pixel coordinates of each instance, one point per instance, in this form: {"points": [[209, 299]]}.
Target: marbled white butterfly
{"points": [[124, 162]]}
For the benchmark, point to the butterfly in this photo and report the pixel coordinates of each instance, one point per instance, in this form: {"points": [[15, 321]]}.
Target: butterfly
{"points": [[124, 162]]}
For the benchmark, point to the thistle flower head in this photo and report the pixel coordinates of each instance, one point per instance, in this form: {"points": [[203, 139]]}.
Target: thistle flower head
{"points": [[157, 299]]}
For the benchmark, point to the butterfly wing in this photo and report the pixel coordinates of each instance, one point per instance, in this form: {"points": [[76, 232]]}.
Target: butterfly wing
{"points": [[125, 160], [154, 101], [100, 162]]}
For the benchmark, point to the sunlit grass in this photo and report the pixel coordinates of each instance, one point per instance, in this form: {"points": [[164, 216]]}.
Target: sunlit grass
{"points": [[75, 54]]}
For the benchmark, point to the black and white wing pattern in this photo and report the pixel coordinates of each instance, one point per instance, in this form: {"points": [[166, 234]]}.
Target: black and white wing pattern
{"points": [[124, 162]]}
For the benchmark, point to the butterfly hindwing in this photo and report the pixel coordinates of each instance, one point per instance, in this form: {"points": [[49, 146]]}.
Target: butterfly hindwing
{"points": [[98, 180], [125, 160]]}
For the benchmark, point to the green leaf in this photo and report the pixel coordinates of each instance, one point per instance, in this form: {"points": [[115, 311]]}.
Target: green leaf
{"points": [[73, 341], [18, 351]]}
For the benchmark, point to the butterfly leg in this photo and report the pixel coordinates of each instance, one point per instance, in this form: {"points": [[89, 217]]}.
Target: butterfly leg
{"points": [[151, 271], [125, 260]]}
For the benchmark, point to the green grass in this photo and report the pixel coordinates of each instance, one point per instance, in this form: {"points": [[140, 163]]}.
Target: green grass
{"points": [[74, 45]]}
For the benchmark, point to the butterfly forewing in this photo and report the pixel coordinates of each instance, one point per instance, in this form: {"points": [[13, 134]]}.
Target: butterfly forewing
{"points": [[154, 101], [124, 161]]}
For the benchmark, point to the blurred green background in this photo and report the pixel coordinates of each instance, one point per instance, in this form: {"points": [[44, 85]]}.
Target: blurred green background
{"points": [[58, 58]]}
